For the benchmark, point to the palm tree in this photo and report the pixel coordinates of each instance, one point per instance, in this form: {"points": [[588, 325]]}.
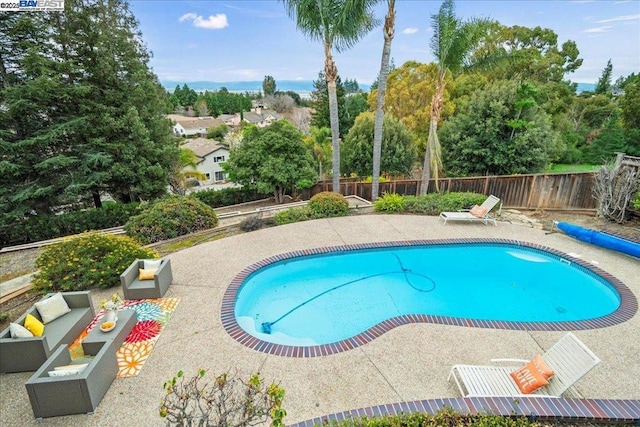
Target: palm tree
{"points": [[389, 29], [452, 44], [178, 177], [337, 24]]}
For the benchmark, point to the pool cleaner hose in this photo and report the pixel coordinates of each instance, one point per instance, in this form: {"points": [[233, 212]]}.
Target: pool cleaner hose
{"points": [[266, 326]]}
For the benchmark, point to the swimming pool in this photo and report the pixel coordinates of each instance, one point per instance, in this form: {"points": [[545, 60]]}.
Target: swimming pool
{"points": [[339, 297]]}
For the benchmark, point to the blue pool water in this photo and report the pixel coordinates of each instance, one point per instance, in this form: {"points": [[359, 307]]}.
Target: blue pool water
{"points": [[322, 299]]}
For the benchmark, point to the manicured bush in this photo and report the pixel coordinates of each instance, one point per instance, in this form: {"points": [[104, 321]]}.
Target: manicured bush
{"points": [[44, 227], [390, 203], [293, 215], [328, 204], [171, 217], [91, 260], [228, 196]]}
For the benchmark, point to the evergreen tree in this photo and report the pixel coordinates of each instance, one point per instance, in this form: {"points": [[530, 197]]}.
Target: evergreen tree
{"points": [[320, 104], [269, 85], [610, 139], [398, 152], [604, 83], [83, 114]]}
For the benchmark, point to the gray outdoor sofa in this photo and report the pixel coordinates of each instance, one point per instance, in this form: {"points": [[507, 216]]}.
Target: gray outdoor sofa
{"points": [[73, 394], [133, 288], [28, 354]]}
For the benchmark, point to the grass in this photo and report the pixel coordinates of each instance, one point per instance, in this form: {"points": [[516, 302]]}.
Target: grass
{"points": [[563, 168]]}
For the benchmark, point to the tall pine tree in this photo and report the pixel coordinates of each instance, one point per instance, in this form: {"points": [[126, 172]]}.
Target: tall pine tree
{"points": [[83, 114]]}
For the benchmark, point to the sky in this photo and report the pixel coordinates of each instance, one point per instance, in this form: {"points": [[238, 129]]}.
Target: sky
{"points": [[244, 40]]}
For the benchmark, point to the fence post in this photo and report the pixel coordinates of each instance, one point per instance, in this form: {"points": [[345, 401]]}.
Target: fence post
{"points": [[531, 187]]}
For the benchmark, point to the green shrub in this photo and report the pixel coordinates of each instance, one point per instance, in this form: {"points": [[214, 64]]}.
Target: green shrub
{"points": [[171, 217], [303, 184], [328, 204], [228, 196], [292, 215], [44, 227], [251, 223], [89, 261], [434, 203], [444, 418], [369, 179], [389, 202], [636, 201]]}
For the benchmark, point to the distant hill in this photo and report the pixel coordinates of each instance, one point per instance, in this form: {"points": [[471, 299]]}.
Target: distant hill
{"points": [[299, 86]]}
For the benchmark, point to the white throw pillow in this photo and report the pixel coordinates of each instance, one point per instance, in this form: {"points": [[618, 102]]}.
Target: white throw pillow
{"points": [[19, 331], [52, 308], [64, 372], [78, 367], [152, 264]]}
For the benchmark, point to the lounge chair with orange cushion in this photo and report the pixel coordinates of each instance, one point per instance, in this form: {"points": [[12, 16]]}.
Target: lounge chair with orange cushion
{"points": [[477, 213], [550, 374]]}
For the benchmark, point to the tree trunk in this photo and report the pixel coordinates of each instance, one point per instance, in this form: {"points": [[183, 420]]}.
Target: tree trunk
{"points": [[389, 26], [432, 152], [96, 199], [331, 73]]}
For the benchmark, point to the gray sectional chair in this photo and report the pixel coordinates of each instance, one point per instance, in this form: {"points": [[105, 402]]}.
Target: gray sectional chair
{"points": [[133, 288], [28, 354]]}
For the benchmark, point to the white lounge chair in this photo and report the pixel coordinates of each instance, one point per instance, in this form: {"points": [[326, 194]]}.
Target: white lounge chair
{"points": [[569, 358], [482, 214]]}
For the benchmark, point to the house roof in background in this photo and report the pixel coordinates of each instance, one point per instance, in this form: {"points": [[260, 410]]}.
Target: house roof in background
{"points": [[202, 147], [195, 122]]}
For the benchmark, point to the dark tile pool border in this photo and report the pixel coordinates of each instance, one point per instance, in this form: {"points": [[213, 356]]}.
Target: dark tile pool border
{"points": [[536, 408], [627, 309]]}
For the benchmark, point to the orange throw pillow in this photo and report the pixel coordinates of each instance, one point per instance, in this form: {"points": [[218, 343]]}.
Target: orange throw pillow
{"points": [[478, 211], [528, 378], [542, 366]]}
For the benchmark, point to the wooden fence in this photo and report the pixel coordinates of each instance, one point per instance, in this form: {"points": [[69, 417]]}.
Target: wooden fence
{"points": [[570, 191]]}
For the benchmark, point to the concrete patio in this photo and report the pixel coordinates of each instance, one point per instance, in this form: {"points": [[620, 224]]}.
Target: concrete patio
{"points": [[408, 363]]}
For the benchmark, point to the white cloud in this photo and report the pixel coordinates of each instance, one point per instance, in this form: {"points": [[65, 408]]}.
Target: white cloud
{"points": [[620, 18], [410, 30], [213, 22], [599, 29], [247, 74]]}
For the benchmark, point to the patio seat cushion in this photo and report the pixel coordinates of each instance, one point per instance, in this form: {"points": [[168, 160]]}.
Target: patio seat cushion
{"points": [[57, 329]]}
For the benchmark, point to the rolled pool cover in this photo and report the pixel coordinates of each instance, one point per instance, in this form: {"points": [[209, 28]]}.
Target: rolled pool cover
{"points": [[601, 239]]}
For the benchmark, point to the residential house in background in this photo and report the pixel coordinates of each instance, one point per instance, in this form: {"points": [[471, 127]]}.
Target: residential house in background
{"points": [[189, 126], [211, 154], [261, 117]]}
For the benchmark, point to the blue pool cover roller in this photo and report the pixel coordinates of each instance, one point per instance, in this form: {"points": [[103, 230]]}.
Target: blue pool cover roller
{"points": [[601, 239]]}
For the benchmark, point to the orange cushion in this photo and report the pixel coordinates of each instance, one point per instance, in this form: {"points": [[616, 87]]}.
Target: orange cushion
{"points": [[542, 366], [528, 378], [478, 211], [146, 274]]}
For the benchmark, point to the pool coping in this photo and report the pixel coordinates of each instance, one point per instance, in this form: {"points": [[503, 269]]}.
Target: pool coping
{"points": [[534, 408], [627, 309]]}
